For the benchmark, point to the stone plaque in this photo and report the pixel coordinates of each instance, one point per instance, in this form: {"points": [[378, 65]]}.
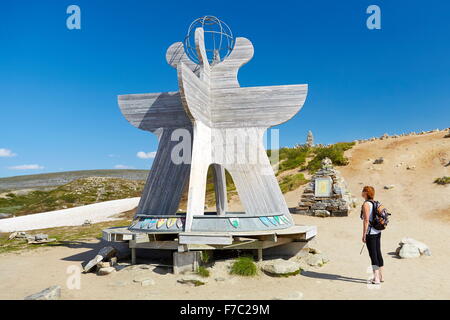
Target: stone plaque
{"points": [[323, 187]]}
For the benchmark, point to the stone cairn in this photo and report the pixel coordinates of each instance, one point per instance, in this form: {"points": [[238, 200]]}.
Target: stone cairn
{"points": [[337, 205], [310, 139]]}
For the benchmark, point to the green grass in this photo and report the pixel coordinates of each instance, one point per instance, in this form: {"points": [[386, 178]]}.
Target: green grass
{"points": [[64, 235], [442, 181], [55, 179], [76, 193], [335, 152], [205, 257], [203, 272], [292, 182], [291, 158], [244, 266]]}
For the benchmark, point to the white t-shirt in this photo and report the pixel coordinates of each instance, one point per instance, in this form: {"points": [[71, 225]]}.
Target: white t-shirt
{"points": [[372, 230]]}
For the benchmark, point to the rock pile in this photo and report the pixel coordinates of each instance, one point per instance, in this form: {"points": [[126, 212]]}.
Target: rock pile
{"points": [[337, 204], [103, 262], [31, 239]]}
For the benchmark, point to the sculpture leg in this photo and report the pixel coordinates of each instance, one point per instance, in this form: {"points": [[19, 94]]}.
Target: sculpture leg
{"points": [[201, 159], [220, 189], [166, 180]]}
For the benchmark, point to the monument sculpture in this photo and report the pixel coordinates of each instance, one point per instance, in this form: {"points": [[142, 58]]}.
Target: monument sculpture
{"points": [[226, 123]]}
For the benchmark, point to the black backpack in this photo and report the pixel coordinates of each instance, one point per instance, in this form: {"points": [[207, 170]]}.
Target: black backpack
{"points": [[380, 216]]}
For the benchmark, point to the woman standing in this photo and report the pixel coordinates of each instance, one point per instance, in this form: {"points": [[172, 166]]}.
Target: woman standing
{"points": [[371, 236]]}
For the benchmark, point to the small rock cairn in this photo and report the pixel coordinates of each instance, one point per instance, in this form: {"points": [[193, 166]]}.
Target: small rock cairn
{"points": [[338, 204]]}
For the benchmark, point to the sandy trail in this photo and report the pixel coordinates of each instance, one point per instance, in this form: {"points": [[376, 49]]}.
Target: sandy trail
{"points": [[420, 210], [97, 212]]}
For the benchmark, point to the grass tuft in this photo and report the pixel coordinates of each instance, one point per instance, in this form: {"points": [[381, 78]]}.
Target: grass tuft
{"points": [[335, 152], [292, 182], [244, 266], [203, 272], [442, 181]]}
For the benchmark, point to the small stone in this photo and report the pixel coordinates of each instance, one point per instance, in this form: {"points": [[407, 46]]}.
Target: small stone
{"points": [[5, 215], [12, 236], [314, 251], [41, 237], [316, 260], [322, 213], [103, 264], [296, 295], [219, 279], [379, 161], [105, 271], [144, 281], [389, 187], [194, 281], [51, 293], [411, 168], [113, 261]]}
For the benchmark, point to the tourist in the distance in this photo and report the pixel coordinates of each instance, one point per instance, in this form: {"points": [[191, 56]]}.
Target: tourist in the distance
{"points": [[371, 236]]}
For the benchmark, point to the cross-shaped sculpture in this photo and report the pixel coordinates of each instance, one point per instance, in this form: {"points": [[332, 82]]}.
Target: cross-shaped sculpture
{"points": [[212, 106]]}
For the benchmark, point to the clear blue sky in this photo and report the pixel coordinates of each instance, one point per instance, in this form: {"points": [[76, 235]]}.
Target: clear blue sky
{"points": [[59, 87]]}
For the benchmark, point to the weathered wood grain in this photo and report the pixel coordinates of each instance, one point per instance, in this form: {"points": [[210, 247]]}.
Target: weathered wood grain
{"points": [[227, 123]]}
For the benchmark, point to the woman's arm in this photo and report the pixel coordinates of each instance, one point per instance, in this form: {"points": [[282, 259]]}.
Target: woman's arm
{"points": [[366, 215]]}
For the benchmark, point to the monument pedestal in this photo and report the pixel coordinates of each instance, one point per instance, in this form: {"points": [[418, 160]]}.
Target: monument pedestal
{"points": [[326, 195]]}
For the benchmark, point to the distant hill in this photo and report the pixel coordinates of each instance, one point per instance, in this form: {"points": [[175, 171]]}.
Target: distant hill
{"points": [[73, 194], [37, 181]]}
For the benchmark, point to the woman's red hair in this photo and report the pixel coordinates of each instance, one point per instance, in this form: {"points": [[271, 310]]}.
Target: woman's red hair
{"points": [[370, 191]]}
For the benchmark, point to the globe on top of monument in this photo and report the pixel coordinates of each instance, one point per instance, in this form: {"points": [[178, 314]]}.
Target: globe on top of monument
{"points": [[219, 40]]}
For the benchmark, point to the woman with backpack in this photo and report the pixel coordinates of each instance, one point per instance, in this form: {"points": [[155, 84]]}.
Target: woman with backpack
{"points": [[372, 214]]}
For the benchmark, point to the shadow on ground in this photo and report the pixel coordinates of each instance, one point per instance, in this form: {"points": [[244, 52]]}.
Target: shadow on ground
{"points": [[329, 276]]}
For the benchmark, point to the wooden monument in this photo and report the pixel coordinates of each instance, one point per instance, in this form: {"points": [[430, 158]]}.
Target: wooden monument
{"points": [[226, 123]]}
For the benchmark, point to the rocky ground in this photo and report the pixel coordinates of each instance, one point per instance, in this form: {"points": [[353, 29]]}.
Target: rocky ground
{"points": [[420, 208]]}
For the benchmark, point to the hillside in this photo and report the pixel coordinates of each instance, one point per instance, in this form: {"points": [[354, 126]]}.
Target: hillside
{"points": [[73, 194], [55, 179]]}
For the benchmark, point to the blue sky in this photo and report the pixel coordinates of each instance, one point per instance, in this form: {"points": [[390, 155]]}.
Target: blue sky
{"points": [[59, 87]]}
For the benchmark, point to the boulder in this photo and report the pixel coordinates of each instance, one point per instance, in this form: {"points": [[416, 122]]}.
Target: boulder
{"points": [[51, 293], [280, 267], [407, 251], [410, 248]]}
